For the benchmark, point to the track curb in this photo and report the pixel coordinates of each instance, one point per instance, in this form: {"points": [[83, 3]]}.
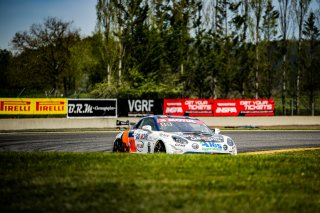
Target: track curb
{"points": [[279, 151]]}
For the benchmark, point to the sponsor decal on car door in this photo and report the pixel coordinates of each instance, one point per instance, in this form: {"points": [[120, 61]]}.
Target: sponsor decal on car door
{"points": [[142, 141]]}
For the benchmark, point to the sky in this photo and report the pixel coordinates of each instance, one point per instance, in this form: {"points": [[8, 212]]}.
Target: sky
{"points": [[19, 15]]}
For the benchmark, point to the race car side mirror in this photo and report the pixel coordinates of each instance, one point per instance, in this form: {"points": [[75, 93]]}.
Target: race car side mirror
{"points": [[216, 130], [147, 128]]}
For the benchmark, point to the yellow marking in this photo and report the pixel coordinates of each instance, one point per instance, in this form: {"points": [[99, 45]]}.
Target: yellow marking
{"points": [[278, 151]]}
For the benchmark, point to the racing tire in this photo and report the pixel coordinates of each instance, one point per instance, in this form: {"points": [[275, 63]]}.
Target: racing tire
{"points": [[117, 146], [159, 147]]}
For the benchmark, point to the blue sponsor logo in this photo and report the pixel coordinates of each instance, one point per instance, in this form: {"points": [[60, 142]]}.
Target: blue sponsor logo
{"points": [[131, 134], [211, 146], [141, 136]]}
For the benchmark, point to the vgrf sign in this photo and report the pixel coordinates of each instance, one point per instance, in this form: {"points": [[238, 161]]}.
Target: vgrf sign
{"points": [[139, 107]]}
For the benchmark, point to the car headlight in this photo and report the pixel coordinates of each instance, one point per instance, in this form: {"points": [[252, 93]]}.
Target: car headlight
{"points": [[217, 138], [230, 142], [179, 140], [175, 150]]}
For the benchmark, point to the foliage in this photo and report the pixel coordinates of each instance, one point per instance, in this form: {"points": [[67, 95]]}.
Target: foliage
{"points": [[311, 58], [174, 48], [138, 87], [45, 51], [5, 60]]}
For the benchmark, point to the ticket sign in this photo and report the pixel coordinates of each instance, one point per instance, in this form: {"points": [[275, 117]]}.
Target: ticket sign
{"points": [[244, 107], [256, 107], [188, 107], [219, 107], [33, 106]]}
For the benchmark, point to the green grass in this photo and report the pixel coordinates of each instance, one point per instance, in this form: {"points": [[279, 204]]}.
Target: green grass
{"points": [[106, 182]]}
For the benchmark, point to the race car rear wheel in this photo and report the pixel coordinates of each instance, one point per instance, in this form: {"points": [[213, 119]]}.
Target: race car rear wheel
{"points": [[118, 146], [159, 147]]}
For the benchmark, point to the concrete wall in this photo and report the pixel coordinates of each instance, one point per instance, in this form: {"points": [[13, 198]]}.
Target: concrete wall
{"points": [[263, 121], [65, 123]]}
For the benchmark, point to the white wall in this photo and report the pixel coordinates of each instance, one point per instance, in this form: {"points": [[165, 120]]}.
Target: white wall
{"points": [[65, 123]]}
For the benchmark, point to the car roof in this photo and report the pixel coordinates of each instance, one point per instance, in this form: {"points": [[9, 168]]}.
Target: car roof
{"points": [[171, 116]]}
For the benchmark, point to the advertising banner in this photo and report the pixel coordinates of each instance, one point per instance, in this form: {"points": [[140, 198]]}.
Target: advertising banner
{"points": [[188, 107], [173, 107], [35, 106], [136, 107], [139, 107], [48, 106], [256, 107], [89, 108], [224, 107]]}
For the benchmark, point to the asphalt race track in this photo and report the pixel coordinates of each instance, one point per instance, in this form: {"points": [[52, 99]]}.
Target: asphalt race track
{"points": [[247, 141]]}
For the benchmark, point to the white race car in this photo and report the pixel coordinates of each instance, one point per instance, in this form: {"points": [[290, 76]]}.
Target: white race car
{"points": [[174, 135]]}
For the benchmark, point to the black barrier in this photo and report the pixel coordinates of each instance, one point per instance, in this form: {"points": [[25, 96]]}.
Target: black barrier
{"points": [[79, 108], [139, 107]]}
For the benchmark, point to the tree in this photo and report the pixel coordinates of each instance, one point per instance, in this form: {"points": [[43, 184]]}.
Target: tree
{"points": [[241, 22], [159, 35], [198, 75], [26, 73], [257, 8], [317, 12], [5, 61], [90, 61], [178, 36], [49, 44], [106, 19], [300, 9], [284, 6], [220, 74], [270, 22], [124, 24], [312, 35], [269, 54]]}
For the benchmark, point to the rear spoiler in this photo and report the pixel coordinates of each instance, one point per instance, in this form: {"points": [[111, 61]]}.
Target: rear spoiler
{"points": [[123, 123]]}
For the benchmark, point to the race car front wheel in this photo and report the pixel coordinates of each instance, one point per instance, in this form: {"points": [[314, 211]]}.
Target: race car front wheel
{"points": [[159, 147], [118, 146]]}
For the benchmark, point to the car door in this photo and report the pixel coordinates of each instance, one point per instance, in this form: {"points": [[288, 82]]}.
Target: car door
{"points": [[142, 137]]}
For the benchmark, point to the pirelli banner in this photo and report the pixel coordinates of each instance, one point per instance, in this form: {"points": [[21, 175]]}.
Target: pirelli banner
{"points": [[224, 107], [92, 108], [33, 106]]}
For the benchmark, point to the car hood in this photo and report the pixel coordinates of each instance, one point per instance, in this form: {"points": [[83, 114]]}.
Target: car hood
{"points": [[202, 137]]}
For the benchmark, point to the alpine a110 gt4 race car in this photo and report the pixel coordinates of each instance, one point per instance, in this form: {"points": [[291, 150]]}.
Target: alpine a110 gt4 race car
{"points": [[173, 135]]}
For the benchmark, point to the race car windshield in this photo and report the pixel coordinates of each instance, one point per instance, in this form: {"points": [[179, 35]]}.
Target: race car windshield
{"points": [[184, 127]]}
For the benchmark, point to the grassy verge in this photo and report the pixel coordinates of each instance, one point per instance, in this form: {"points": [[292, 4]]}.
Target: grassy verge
{"points": [[106, 182]]}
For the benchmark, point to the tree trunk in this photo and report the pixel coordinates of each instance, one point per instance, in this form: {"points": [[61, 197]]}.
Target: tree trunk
{"points": [[109, 74], [181, 69], [120, 70], [258, 13], [284, 89]]}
